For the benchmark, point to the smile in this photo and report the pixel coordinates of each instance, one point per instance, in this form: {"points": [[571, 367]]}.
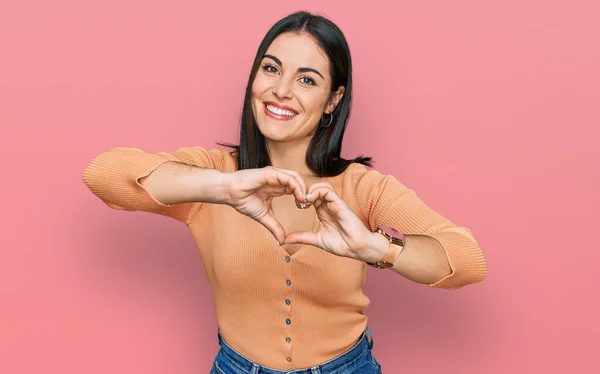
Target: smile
{"points": [[279, 113]]}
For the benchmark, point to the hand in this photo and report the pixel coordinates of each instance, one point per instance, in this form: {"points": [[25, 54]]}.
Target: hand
{"points": [[251, 193], [340, 231]]}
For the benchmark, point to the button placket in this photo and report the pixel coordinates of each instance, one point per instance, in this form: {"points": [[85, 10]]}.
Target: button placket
{"points": [[287, 304]]}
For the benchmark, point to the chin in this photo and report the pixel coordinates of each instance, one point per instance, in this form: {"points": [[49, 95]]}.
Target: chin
{"points": [[273, 134], [272, 129]]}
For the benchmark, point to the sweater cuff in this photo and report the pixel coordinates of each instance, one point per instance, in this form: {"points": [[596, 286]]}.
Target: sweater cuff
{"points": [[146, 197], [466, 260], [126, 166]]}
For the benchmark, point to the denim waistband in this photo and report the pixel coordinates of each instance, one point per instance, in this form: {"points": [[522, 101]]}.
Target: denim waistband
{"points": [[347, 359]]}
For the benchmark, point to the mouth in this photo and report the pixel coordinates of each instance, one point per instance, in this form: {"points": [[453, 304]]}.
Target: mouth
{"points": [[280, 112]]}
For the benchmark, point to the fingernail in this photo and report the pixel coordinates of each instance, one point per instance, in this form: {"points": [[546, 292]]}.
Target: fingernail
{"points": [[278, 243], [306, 197]]}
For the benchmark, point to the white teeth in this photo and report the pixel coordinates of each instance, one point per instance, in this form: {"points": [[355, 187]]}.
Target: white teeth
{"points": [[280, 112]]}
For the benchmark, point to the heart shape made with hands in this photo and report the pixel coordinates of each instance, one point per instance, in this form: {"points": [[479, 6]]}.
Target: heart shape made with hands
{"points": [[339, 231]]}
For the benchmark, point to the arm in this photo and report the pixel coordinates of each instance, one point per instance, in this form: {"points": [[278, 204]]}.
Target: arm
{"points": [[172, 184], [438, 253], [176, 183], [422, 260]]}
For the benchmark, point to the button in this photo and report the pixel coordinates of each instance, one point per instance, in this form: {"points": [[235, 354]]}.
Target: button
{"points": [[288, 321], [288, 340], [288, 282], [288, 301], [289, 359], [288, 259]]}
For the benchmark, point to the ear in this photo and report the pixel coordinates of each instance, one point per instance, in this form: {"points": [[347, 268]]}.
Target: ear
{"points": [[335, 99]]}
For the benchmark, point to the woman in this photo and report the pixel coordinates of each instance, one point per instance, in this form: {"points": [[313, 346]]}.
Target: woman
{"points": [[289, 297]]}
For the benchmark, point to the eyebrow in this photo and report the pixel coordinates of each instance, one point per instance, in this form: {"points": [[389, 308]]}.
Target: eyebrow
{"points": [[301, 70]]}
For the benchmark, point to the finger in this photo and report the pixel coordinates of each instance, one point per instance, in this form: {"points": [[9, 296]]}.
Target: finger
{"points": [[325, 193], [297, 176], [307, 198], [292, 185], [280, 190], [320, 185], [302, 204], [279, 177], [273, 225], [275, 191], [304, 237]]}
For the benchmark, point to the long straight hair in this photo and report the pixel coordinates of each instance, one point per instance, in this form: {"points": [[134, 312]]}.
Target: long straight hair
{"points": [[324, 152]]}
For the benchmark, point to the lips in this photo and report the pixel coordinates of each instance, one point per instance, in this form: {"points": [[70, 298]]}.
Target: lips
{"points": [[279, 111]]}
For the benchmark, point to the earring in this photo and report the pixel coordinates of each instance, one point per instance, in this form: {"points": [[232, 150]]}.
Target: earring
{"points": [[330, 121]]}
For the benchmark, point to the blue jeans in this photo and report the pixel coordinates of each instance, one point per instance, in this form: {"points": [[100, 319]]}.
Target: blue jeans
{"points": [[358, 360]]}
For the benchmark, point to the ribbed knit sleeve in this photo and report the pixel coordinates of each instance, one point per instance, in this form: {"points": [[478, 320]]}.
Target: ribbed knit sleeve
{"points": [[113, 176], [382, 200]]}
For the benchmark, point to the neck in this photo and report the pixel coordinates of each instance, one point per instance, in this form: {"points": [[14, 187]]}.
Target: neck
{"points": [[290, 155]]}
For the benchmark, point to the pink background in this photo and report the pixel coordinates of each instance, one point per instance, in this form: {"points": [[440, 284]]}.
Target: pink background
{"points": [[489, 111]]}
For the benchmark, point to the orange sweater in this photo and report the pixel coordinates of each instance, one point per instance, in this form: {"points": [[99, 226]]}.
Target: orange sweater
{"points": [[283, 311]]}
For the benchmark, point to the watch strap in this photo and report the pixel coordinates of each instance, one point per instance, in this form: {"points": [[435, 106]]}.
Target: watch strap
{"points": [[392, 253]]}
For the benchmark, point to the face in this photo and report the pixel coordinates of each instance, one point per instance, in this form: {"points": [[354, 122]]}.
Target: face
{"points": [[292, 88]]}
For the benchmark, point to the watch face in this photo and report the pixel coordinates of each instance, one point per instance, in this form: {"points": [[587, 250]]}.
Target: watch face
{"points": [[392, 232]]}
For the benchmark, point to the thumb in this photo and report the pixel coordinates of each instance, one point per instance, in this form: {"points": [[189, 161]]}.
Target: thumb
{"points": [[274, 226], [304, 237]]}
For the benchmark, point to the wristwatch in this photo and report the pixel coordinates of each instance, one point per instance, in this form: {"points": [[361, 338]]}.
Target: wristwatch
{"points": [[395, 237]]}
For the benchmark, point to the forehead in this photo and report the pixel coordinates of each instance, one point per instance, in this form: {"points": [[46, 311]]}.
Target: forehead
{"points": [[299, 50]]}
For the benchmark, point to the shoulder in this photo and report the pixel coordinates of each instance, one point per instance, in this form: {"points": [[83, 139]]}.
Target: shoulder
{"points": [[358, 175], [225, 158], [367, 184], [356, 179]]}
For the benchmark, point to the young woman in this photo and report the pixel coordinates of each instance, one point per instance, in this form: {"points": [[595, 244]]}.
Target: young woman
{"points": [[285, 227]]}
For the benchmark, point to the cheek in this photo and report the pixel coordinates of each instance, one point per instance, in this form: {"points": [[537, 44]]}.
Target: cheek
{"points": [[259, 86], [254, 90], [257, 92], [313, 102]]}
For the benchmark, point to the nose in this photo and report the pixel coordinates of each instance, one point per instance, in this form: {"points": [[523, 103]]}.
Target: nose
{"points": [[282, 89]]}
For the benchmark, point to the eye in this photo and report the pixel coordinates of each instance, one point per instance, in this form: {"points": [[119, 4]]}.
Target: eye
{"points": [[270, 69], [308, 81]]}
